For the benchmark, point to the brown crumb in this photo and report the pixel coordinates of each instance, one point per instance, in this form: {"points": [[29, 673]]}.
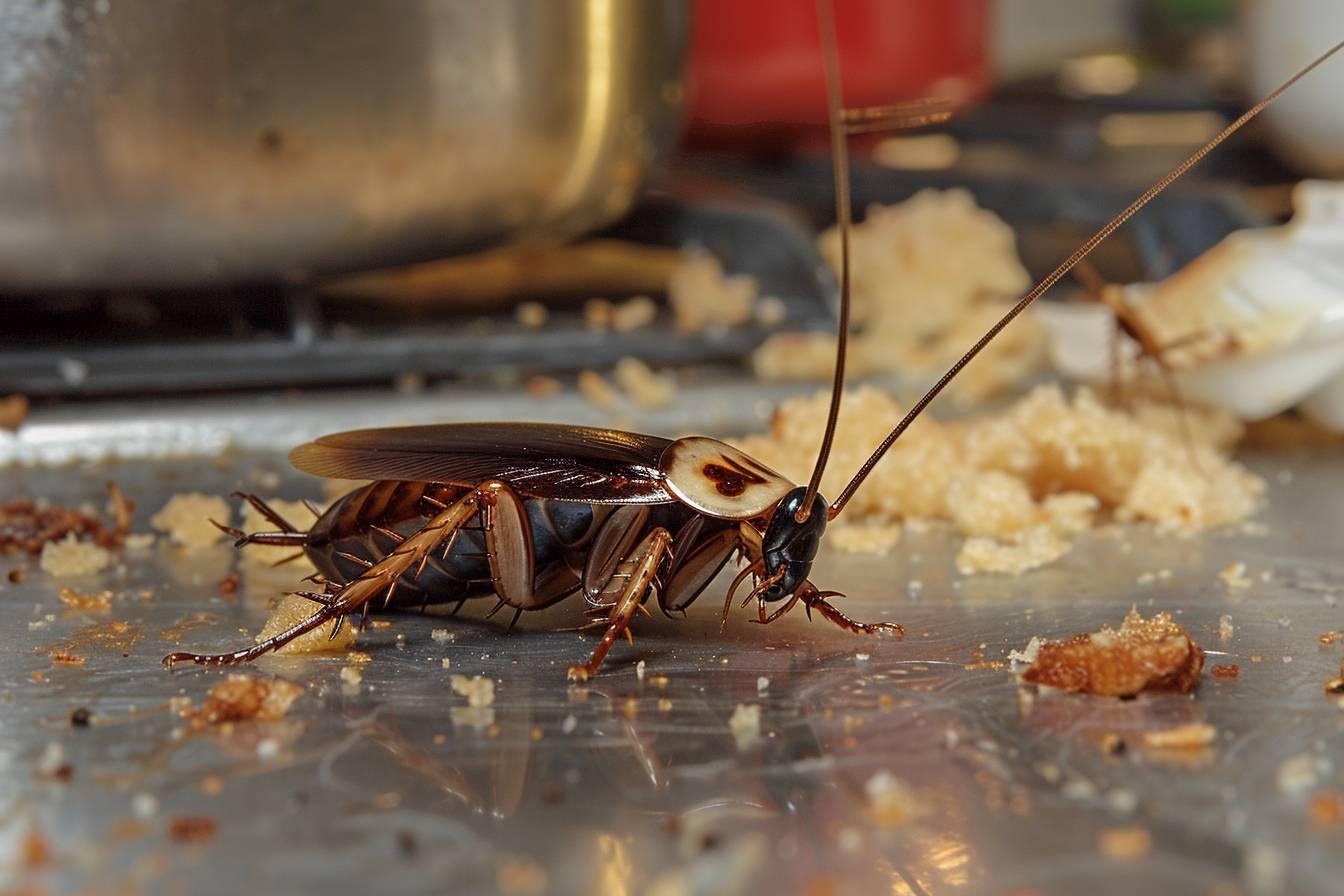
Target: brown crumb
{"points": [[80, 601], [1182, 737], [1331, 637], [1112, 744], [1326, 809], [192, 829], [212, 785], [241, 697], [35, 851], [80, 717], [1142, 655], [13, 411], [1335, 686], [229, 584], [1226, 670], [27, 524], [61, 658], [17, 575], [1125, 843]]}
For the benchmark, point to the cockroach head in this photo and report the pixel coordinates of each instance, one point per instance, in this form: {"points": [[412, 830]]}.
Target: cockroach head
{"points": [[789, 546]]}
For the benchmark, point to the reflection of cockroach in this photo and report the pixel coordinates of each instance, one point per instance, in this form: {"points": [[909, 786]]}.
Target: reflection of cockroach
{"points": [[535, 513]]}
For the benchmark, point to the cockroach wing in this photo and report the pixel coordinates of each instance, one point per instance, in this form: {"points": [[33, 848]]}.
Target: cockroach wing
{"points": [[720, 481], [563, 463]]}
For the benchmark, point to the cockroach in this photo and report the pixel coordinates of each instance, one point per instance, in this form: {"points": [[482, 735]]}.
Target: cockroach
{"points": [[535, 513]]}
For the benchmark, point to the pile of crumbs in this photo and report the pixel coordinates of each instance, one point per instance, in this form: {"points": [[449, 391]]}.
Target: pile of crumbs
{"points": [[293, 609], [29, 524], [1022, 482], [240, 698], [71, 557], [1152, 654], [917, 304]]}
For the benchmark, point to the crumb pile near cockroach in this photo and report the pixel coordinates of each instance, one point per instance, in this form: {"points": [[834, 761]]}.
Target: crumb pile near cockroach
{"points": [[917, 303], [1018, 483]]}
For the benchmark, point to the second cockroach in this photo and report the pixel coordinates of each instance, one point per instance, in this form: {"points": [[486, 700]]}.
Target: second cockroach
{"points": [[533, 513]]}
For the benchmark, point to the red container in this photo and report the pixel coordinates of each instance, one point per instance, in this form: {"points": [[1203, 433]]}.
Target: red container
{"points": [[756, 65]]}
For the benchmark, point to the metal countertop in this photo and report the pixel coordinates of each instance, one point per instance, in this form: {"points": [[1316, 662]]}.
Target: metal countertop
{"points": [[633, 785]]}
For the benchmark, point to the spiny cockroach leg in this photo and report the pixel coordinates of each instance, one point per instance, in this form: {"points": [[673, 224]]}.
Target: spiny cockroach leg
{"points": [[517, 614], [651, 553], [313, 509], [358, 561], [391, 593], [230, 531], [396, 537], [817, 600], [499, 605], [267, 511]]}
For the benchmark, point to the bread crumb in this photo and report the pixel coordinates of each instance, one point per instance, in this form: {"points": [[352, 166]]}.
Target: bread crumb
{"points": [[599, 393], [638, 312], [1181, 737], [702, 297], [13, 411], [186, 519], [1125, 843], [1225, 628], [72, 557], [1027, 654], [532, 315], [1226, 670], [241, 698], [891, 802], [479, 690], [745, 725], [649, 390], [351, 676], [1152, 654], [80, 601], [290, 611], [1234, 576]]}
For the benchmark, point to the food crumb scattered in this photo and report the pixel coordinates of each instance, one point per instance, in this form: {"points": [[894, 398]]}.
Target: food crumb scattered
{"points": [[186, 519], [703, 297], [762, 684], [1125, 843], [479, 690], [191, 829], [35, 853], [523, 878], [241, 698], [1143, 654], [639, 670], [82, 601], [646, 388], [72, 557], [1225, 628], [442, 635], [1027, 654], [351, 676], [51, 765], [13, 411], [80, 717], [1298, 774], [293, 609], [144, 805], [599, 393], [891, 802], [1181, 737], [1326, 809], [1234, 576], [569, 724], [1226, 670], [745, 724], [532, 315]]}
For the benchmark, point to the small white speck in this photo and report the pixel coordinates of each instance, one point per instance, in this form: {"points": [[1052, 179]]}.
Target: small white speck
{"points": [[861, 657], [1331, 600], [445, 662], [72, 371], [1285, 622], [51, 760], [1287, 660], [440, 635], [569, 724], [268, 748], [1122, 801], [144, 805], [640, 668], [762, 685], [914, 588]]}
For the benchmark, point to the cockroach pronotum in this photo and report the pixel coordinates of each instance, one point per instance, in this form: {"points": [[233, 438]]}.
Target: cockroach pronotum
{"points": [[536, 513]]}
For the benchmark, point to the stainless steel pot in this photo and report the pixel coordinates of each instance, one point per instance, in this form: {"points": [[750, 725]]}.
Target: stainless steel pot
{"points": [[167, 143]]}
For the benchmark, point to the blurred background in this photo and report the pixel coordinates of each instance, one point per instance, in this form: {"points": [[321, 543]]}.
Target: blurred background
{"points": [[265, 195]]}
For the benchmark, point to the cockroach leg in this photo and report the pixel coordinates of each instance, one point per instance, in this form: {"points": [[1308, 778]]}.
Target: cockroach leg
{"points": [[356, 594], [651, 553], [517, 614], [313, 509], [816, 600], [267, 511]]}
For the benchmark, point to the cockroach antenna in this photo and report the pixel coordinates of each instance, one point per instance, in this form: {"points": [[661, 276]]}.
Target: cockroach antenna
{"points": [[844, 219], [1036, 291]]}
